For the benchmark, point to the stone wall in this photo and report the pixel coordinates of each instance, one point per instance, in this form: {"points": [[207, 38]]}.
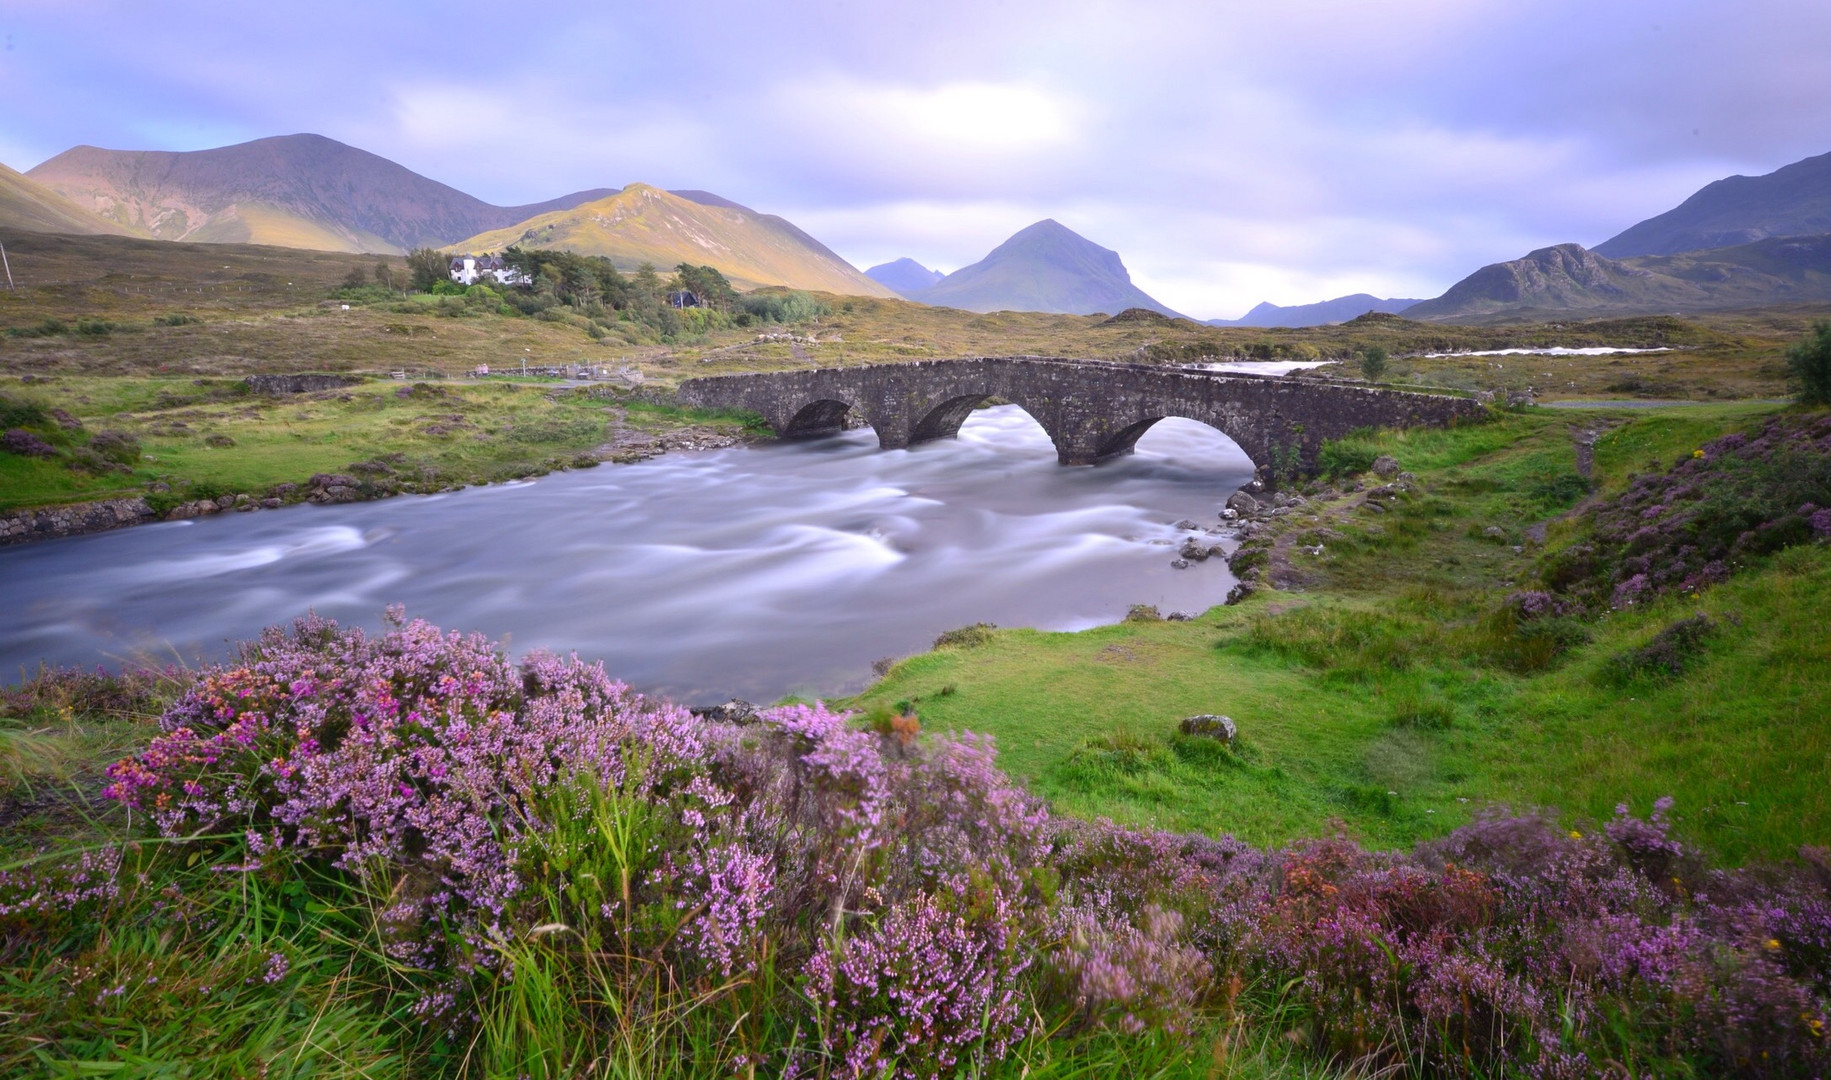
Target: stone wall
{"points": [[1092, 410], [47, 522]]}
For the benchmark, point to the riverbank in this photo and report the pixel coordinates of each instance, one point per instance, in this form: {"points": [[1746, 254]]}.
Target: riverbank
{"points": [[96, 453], [1382, 685]]}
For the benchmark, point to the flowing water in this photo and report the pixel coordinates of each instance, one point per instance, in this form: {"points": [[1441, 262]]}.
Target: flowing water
{"points": [[756, 572]]}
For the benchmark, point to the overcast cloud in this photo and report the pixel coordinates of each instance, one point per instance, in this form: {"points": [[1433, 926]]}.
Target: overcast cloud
{"points": [[1289, 151]]}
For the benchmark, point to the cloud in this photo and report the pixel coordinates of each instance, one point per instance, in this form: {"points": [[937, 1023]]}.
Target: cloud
{"points": [[1231, 151]]}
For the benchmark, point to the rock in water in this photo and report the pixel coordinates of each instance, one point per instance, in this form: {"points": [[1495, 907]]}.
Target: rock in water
{"points": [[1210, 726], [1242, 504]]}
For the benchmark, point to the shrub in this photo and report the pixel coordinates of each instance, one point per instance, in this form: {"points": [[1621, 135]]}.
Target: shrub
{"points": [[1373, 362], [177, 320], [15, 413], [1346, 457], [782, 307], [966, 637], [25, 444], [116, 446], [1809, 365], [1734, 499], [1668, 655]]}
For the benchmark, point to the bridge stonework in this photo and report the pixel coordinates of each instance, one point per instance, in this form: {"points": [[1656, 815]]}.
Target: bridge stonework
{"points": [[1092, 410]]}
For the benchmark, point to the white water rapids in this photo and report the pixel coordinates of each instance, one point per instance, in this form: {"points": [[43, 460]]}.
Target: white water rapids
{"points": [[756, 572]]}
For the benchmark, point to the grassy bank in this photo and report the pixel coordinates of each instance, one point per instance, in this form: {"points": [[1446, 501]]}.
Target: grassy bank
{"points": [[197, 438], [1385, 688]]}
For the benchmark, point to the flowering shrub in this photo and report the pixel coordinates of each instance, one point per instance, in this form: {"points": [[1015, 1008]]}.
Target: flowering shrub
{"points": [[1737, 497], [904, 908]]}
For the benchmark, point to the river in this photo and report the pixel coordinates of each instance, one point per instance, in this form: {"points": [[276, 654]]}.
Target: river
{"points": [[756, 572]]}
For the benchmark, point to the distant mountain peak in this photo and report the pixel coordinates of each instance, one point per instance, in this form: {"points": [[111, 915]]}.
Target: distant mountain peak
{"points": [[904, 276], [1046, 267], [1327, 312]]}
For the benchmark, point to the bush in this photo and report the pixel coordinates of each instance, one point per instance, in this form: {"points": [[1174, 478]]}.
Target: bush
{"points": [[116, 446], [783, 307], [966, 637], [25, 444], [15, 413], [1809, 365], [1373, 362], [1734, 499], [1671, 652]]}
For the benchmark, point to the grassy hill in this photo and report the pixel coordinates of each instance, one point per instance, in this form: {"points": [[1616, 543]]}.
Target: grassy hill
{"points": [[646, 224], [302, 191], [28, 205]]}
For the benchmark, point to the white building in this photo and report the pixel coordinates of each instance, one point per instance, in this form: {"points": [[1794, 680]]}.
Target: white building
{"points": [[470, 269]]}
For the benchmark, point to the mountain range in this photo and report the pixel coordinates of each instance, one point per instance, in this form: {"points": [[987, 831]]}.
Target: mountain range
{"points": [[1046, 267], [290, 190], [1325, 313], [1740, 241]]}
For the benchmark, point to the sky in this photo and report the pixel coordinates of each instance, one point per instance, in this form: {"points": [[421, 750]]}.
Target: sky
{"points": [[1231, 152]]}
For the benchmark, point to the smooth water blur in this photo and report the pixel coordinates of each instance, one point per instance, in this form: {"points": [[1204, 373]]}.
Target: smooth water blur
{"points": [[756, 572]]}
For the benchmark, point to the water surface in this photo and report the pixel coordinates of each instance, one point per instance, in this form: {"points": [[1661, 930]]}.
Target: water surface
{"points": [[755, 571]]}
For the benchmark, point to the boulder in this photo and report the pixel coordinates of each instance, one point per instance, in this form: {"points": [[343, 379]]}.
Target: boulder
{"points": [[1194, 550], [1386, 466], [1210, 726], [1242, 504], [1187, 525]]}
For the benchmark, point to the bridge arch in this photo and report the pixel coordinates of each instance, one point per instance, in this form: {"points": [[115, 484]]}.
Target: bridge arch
{"points": [[823, 416], [1125, 440], [943, 421]]}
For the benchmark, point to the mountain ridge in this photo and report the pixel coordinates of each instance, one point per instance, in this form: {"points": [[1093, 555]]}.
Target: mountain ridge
{"points": [[1793, 200], [301, 190], [31, 206], [1571, 278], [1322, 313], [642, 223]]}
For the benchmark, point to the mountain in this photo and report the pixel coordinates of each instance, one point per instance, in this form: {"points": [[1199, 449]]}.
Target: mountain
{"points": [[646, 224], [28, 205], [291, 190], [1325, 313], [1790, 201], [904, 276], [1046, 267], [1567, 278]]}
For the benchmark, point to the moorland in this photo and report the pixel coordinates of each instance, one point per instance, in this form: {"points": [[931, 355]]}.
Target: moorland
{"points": [[1530, 774]]}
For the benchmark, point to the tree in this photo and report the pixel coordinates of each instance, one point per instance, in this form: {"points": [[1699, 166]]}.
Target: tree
{"points": [[355, 279], [1809, 365], [706, 283], [646, 282], [384, 274], [428, 267], [1373, 362]]}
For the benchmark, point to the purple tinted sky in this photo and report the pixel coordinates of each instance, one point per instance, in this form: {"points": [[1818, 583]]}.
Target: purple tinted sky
{"points": [[1286, 150]]}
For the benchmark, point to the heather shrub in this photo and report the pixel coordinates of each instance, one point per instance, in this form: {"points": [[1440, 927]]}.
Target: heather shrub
{"points": [[1668, 655], [25, 444], [116, 446], [535, 871], [966, 637], [1734, 499]]}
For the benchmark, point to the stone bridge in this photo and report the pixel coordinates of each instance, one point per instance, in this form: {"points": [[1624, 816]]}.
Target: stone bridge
{"points": [[1092, 410]]}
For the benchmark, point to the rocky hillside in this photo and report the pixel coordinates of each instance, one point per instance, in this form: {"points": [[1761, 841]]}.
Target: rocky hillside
{"points": [[28, 205], [1791, 201], [646, 224], [1046, 267], [293, 191], [1570, 278]]}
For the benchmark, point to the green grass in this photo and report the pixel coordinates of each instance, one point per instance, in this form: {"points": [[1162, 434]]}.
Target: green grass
{"points": [[1390, 699], [491, 431]]}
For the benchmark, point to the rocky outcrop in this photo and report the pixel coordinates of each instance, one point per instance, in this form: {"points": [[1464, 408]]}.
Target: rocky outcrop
{"points": [[47, 522]]}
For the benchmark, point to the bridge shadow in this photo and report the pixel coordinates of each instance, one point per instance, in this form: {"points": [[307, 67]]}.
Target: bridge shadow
{"points": [[818, 419]]}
